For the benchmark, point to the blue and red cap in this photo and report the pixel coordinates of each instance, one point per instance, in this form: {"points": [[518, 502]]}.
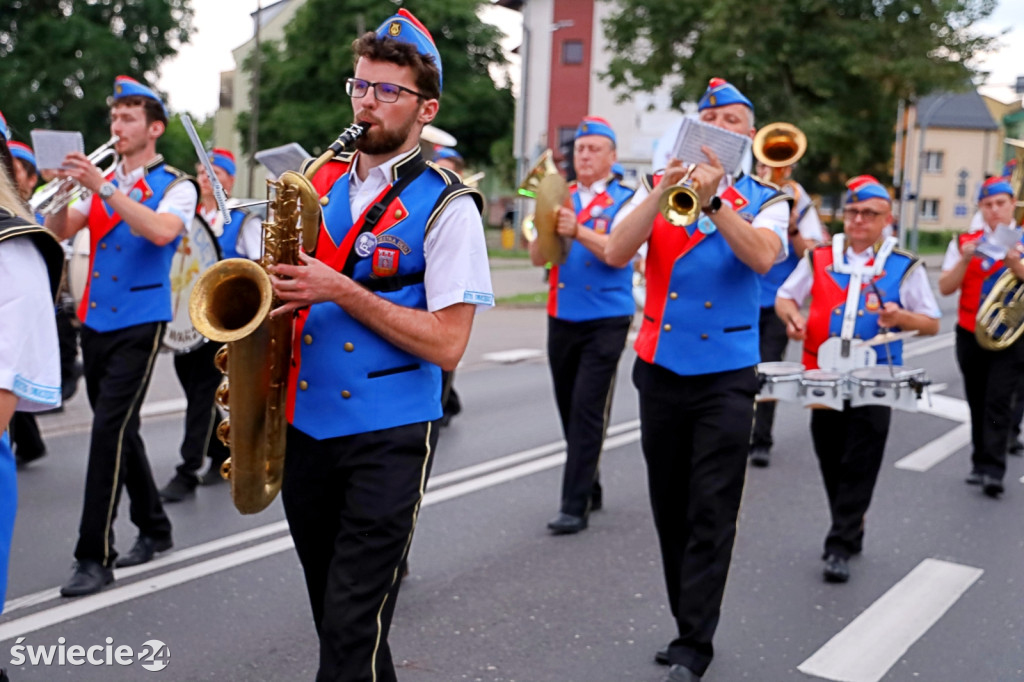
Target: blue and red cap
{"points": [[595, 125], [721, 93], [223, 159], [445, 153], [993, 186], [864, 187], [126, 86], [20, 150], [406, 28], [5, 132]]}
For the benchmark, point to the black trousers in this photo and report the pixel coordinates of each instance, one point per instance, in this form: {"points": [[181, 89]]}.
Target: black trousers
{"points": [[695, 432], [118, 367], [351, 504], [199, 379], [26, 439], [773, 348], [67, 340], [583, 357], [849, 444], [990, 380]]}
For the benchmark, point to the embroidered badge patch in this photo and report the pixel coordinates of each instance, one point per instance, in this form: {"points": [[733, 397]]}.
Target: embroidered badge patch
{"points": [[705, 225], [601, 225], [365, 244], [871, 302], [385, 262]]}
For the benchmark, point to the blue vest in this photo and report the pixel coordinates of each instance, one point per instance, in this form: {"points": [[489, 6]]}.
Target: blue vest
{"points": [[706, 319], [355, 381], [585, 288], [129, 282], [231, 233], [897, 265]]}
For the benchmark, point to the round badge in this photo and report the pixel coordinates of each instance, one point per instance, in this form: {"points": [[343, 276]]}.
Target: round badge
{"points": [[135, 194], [986, 263], [365, 244], [705, 225], [596, 212]]}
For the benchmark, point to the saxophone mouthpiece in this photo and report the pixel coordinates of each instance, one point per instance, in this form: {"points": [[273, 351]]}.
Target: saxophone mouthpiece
{"points": [[349, 135]]}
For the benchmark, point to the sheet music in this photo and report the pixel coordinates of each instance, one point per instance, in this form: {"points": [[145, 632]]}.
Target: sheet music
{"points": [[730, 147], [51, 146], [287, 157], [996, 243]]}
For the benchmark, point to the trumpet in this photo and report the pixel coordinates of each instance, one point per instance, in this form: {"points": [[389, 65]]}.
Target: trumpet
{"points": [[60, 192], [679, 204]]}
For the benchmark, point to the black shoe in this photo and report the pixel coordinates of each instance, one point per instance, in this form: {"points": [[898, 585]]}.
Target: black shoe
{"points": [[991, 486], [973, 478], [661, 656], [3, 675], [23, 457], [596, 501], [680, 673], [211, 476], [1016, 448], [143, 550], [89, 578], [760, 457], [836, 570], [566, 524], [178, 489]]}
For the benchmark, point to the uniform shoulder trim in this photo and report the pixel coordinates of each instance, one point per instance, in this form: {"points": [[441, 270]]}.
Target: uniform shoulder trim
{"points": [[447, 196], [175, 172], [648, 182]]}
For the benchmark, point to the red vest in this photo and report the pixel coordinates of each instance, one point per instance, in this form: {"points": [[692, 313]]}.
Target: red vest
{"points": [[974, 288]]}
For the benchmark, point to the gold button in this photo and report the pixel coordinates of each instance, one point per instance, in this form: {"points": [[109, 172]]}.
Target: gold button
{"points": [[346, 395], [860, 313], [113, 309], [349, 347], [704, 337], [303, 385], [308, 338], [561, 285], [113, 277], [673, 295], [587, 264], [93, 304], [398, 214], [588, 287], [836, 311], [707, 304], [96, 274], [117, 248], [324, 200], [667, 327], [103, 245]]}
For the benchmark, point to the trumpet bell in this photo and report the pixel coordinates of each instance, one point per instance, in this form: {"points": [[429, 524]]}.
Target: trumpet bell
{"points": [[779, 144], [680, 205], [544, 167]]}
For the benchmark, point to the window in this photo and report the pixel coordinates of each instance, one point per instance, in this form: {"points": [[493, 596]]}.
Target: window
{"points": [[929, 209], [933, 162], [572, 51]]}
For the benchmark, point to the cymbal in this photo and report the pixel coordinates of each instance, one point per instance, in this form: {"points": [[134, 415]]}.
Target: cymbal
{"points": [[435, 135], [887, 337]]}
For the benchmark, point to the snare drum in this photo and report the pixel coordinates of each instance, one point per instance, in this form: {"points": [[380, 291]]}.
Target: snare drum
{"points": [[779, 381], [897, 387], [822, 389]]}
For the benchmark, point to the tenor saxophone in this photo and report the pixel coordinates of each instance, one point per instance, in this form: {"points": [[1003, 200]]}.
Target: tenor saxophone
{"points": [[231, 304]]}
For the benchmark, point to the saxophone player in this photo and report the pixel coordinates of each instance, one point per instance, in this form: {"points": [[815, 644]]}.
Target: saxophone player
{"points": [[386, 305]]}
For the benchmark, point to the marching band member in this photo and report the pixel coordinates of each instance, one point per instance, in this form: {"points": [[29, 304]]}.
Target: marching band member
{"points": [[26, 174], [388, 302], [197, 374], [30, 269], [990, 376], [590, 307], [804, 233], [134, 218], [849, 443], [695, 372]]}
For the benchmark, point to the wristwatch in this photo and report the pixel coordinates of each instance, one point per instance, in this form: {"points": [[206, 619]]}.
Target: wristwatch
{"points": [[713, 205], [106, 190]]}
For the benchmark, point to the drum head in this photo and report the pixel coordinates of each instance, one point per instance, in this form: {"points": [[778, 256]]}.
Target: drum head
{"points": [[776, 369], [886, 373], [197, 251], [78, 266]]}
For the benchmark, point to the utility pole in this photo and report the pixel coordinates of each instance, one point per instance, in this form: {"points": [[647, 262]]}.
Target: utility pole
{"points": [[254, 99]]}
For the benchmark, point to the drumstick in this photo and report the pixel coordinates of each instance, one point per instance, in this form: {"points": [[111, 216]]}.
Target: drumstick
{"points": [[885, 330]]}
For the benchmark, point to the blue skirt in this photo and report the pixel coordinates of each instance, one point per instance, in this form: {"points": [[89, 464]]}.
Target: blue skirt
{"points": [[8, 508]]}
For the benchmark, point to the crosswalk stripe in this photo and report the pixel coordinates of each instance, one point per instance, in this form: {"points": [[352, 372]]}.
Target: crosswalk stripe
{"points": [[927, 456]]}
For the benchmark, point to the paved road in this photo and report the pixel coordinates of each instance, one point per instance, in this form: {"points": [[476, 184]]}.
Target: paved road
{"points": [[492, 597]]}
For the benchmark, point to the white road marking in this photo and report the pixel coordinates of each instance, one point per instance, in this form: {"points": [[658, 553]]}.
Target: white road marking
{"points": [[507, 357], [868, 647], [947, 407], [929, 345], [924, 458]]}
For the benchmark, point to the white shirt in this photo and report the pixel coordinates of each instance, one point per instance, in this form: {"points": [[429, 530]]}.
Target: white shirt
{"points": [[180, 200], [809, 225], [29, 356], [587, 194], [915, 292], [774, 217], [250, 236], [455, 250]]}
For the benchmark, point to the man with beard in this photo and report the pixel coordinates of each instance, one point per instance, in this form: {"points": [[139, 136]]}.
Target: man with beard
{"points": [[386, 305], [134, 216]]}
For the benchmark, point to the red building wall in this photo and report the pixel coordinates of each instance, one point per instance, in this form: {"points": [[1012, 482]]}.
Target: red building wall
{"points": [[570, 83]]}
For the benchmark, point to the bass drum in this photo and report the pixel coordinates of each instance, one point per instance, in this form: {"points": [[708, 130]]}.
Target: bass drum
{"points": [[197, 251], [78, 266]]}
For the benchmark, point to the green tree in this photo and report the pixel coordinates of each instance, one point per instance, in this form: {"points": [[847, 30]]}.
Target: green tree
{"points": [[176, 147], [302, 79], [60, 58], [835, 68]]}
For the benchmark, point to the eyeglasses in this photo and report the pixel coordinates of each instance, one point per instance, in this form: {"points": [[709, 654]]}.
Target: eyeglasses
{"points": [[865, 213], [384, 92]]}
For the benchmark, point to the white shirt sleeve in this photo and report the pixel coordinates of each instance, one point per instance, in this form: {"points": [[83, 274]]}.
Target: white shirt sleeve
{"points": [[29, 356], [916, 293], [180, 201], [250, 238], [776, 219], [810, 224], [456, 253], [952, 256], [798, 285]]}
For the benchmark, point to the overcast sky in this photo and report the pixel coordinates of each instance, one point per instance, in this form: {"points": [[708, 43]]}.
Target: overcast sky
{"points": [[192, 78]]}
